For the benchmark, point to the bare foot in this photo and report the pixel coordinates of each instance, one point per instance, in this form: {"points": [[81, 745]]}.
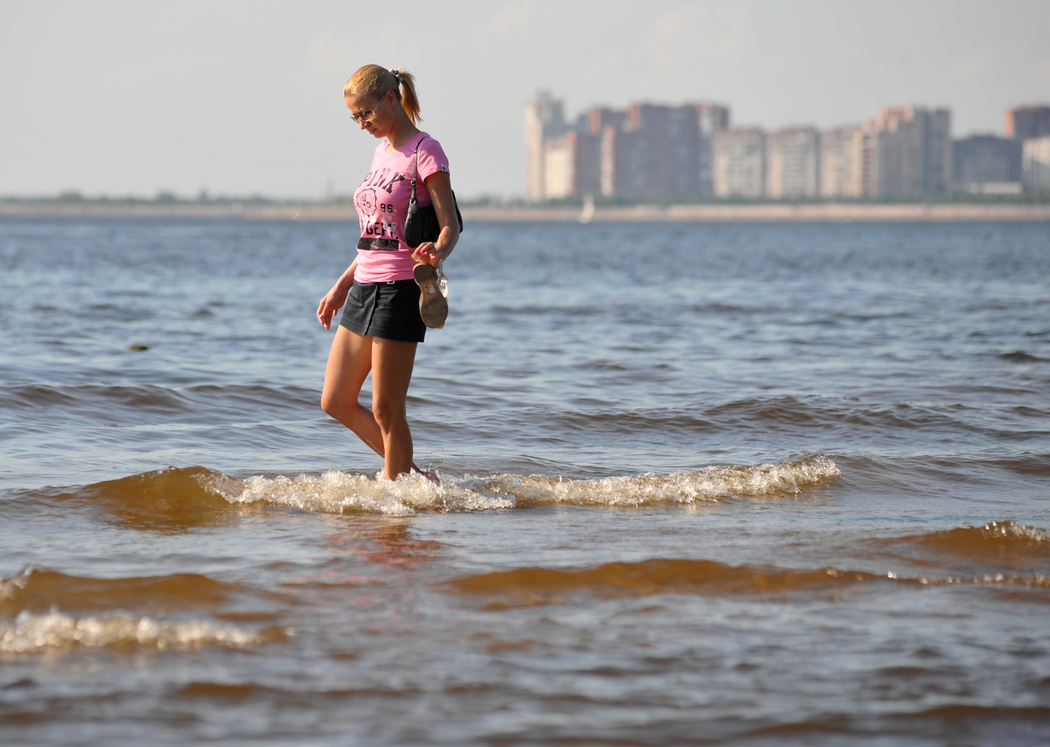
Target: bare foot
{"points": [[432, 476]]}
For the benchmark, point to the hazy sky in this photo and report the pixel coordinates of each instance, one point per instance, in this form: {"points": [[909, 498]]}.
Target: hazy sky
{"points": [[239, 96]]}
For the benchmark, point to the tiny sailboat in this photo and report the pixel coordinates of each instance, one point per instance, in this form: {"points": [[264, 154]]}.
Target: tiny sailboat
{"points": [[588, 208]]}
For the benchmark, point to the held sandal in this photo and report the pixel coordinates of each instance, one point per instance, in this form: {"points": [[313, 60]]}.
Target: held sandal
{"points": [[433, 308]]}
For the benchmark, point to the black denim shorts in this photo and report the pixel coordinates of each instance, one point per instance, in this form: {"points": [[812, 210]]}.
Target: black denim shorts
{"points": [[386, 310]]}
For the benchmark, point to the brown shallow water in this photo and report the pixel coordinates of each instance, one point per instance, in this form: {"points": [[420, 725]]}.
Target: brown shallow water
{"points": [[775, 485]]}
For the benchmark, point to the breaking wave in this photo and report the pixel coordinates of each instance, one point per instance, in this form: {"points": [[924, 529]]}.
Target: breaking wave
{"points": [[42, 609], [178, 499], [335, 492], [709, 484], [33, 632]]}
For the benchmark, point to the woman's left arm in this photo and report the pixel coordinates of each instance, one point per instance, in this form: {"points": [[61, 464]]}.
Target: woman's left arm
{"points": [[439, 185]]}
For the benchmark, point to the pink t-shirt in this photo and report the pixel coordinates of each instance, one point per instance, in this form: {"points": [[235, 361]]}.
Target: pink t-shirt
{"points": [[382, 204]]}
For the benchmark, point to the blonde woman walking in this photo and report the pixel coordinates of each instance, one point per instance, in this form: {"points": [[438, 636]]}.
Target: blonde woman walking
{"points": [[383, 321]]}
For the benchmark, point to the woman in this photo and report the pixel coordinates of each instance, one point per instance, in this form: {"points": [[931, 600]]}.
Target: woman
{"points": [[382, 323]]}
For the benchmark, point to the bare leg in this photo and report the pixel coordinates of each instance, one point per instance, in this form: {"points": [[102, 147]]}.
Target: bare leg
{"points": [[349, 362], [392, 363], [384, 428]]}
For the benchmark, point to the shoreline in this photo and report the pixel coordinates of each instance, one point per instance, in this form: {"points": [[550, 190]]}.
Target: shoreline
{"points": [[829, 212]]}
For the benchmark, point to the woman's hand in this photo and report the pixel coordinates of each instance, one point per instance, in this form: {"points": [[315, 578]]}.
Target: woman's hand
{"points": [[331, 303], [335, 298], [428, 254]]}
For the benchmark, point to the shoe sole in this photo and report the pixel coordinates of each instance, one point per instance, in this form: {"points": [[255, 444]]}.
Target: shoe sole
{"points": [[433, 308]]}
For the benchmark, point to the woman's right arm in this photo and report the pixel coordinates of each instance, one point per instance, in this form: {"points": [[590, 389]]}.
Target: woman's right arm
{"points": [[336, 297]]}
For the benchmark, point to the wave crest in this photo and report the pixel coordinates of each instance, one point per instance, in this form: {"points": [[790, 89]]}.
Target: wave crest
{"points": [[38, 632], [539, 586], [41, 589], [999, 544], [335, 492], [181, 499], [529, 586], [709, 484]]}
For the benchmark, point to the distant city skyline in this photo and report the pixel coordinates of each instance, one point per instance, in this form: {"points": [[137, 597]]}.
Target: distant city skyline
{"points": [[652, 149], [671, 152], [125, 98]]}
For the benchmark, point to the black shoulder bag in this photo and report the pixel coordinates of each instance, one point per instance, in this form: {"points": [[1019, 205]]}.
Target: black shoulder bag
{"points": [[421, 223]]}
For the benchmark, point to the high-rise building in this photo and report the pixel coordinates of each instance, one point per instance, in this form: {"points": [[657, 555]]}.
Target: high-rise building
{"points": [[598, 118], [1035, 162], [622, 169], [649, 150], [590, 127], [667, 144], [984, 160], [793, 163], [842, 162], [571, 165], [873, 153], [712, 118], [1024, 122], [911, 151], [544, 119], [559, 166], [739, 162]]}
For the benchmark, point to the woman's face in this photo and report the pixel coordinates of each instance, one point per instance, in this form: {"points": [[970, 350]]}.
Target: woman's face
{"points": [[372, 114]]}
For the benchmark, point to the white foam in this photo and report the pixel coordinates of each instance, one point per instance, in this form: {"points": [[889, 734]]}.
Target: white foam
{"points": [[1013, 530], [335, 492], [33, 632], [9, 589], [709, 484]]}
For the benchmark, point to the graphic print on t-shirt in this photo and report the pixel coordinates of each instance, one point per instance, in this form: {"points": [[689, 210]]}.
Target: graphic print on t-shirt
{"points": [[378, 215], [366, 203]]}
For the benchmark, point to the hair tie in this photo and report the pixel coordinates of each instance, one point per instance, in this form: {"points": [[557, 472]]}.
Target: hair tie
{"points": [[397, 77]]}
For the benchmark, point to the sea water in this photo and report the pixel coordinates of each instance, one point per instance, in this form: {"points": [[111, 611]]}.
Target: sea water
{"points": [[740, 483]]}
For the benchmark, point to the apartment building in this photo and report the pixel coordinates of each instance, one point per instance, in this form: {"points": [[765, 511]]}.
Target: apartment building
{"points": [[980, 161], [793, 163], [907, 151], [841, 162], [544, 120], [739, 162], [655, 152], [559, 166], [649, 150], [712, 118], [1024, 122], [1035, 163]]}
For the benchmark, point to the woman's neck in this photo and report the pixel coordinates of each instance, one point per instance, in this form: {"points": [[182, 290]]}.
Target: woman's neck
{"points": [[402, 131]]}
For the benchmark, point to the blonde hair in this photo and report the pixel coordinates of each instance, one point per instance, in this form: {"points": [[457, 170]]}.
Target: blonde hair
{"points": [[376, 81]]}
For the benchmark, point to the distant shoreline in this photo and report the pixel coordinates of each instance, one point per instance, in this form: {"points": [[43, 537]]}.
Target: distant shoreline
{"points": [[827, 212]]}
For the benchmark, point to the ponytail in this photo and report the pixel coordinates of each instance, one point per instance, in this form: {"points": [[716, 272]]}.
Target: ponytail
{"points": [[408, 94], [376, 81]]}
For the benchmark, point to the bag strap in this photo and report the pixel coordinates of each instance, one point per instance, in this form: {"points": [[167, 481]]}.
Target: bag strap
{"points": [[415, 174], [415, 169]]}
